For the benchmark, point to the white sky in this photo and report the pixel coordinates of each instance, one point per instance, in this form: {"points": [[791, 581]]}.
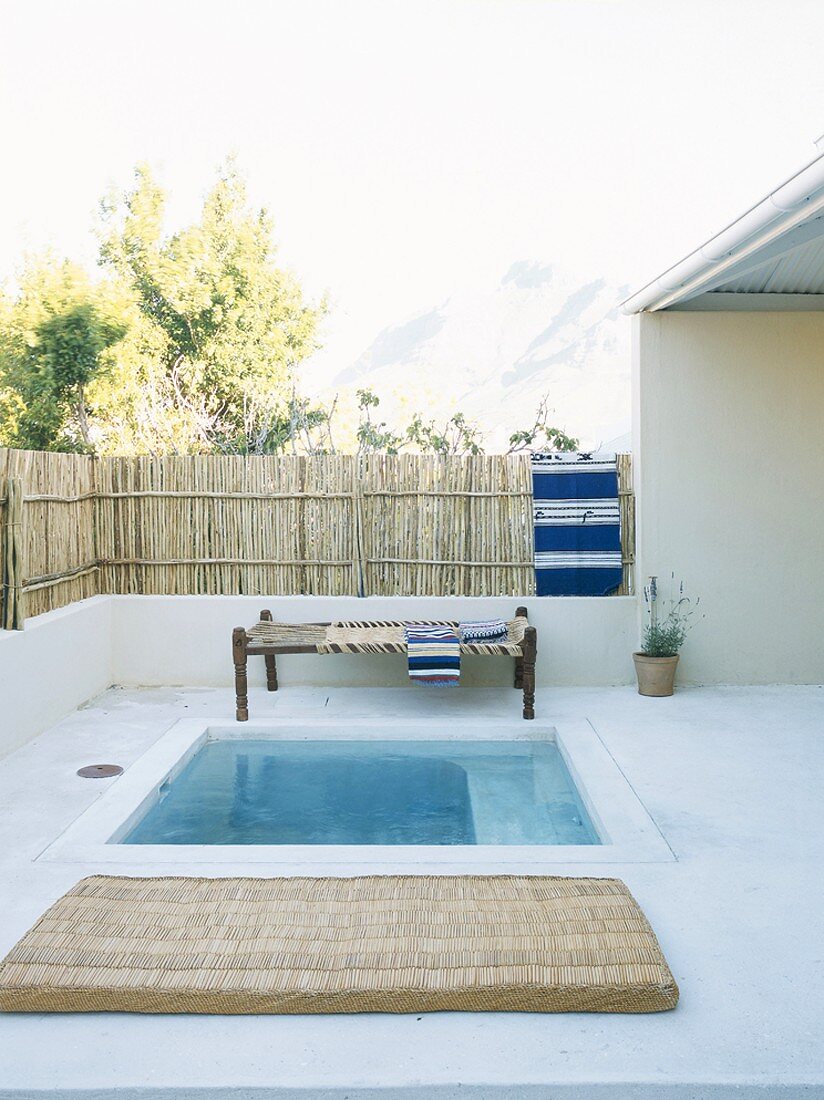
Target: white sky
{"points": [[408, 149]]}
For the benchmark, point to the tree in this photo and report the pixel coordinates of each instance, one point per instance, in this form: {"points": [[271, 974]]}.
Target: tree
{"points": [[374, 437], [55, 340], [457, 437], [220, 328], [310, 430], [189, 342], [542, 436]]}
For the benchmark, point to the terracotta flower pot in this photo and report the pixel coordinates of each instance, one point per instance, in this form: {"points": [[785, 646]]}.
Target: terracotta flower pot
{"points": [[656, 675]]}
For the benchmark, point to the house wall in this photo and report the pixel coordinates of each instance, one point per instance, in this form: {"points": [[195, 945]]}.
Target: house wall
{"points": [[729, 452]]}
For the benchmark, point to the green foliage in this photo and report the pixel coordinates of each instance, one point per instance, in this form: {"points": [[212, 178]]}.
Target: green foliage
{"points": [[55, 339], [187, 342], [457, 437], [374, 437], [220, 329], [664, 639], [542, 436], [668, 621]]}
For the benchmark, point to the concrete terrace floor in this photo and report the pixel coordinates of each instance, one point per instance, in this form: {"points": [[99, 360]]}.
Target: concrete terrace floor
{"points": [[732, 777]]}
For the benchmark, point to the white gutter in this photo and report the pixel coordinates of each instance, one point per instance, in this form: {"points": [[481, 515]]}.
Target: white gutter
{"points": [[796, 200]]}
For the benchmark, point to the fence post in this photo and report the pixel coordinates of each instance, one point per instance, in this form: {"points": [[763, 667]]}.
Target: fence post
{"points": [[13, 595], [626, 501], [358, 564]]}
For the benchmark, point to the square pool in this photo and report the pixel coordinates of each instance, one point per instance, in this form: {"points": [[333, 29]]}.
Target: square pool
{"points": [[265, 792], [320, 796]]}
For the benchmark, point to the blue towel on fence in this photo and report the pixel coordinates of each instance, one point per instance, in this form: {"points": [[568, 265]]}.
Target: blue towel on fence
{"points": [[434, 655], [577, 524]]}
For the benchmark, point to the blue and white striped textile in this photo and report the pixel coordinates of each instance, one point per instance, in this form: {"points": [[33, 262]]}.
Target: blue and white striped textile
{"points": [[483, 630], [577, 524], [434, 655]]}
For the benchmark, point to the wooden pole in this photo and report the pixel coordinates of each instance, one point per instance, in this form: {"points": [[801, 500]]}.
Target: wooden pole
{"points": [[14, 614]]}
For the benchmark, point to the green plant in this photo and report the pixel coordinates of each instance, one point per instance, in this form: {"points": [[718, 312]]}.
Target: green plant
{"points": [[668, 621], [542, 436]]}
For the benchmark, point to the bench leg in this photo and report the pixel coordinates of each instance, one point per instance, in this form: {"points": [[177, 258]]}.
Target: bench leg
{"points": [[271, 666], [528, 673], [519, 672], [271, 672], [241, 688]]}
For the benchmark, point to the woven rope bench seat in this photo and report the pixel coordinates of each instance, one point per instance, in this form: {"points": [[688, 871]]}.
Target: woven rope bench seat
{"points": [[268, 639], [369, 637], [279, 636], [394, 943]]}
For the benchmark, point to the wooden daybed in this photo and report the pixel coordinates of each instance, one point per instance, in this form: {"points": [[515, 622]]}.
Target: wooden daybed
{"points": [[268, 638]]}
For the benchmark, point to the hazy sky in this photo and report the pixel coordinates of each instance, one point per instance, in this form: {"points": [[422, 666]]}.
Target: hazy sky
{"points": [[408, 148]]}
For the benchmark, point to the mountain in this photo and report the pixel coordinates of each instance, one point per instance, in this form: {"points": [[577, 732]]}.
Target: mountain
{"points": [[495, 352]]}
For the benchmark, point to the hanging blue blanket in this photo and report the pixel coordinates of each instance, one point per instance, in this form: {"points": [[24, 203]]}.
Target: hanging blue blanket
{"points": [[577, 524]]}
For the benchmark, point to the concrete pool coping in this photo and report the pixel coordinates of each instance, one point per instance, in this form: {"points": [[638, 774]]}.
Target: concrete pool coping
{"points": [[628, 833]]}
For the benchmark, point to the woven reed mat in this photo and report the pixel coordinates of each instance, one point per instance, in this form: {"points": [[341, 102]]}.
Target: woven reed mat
{"points": [[396, 943]]}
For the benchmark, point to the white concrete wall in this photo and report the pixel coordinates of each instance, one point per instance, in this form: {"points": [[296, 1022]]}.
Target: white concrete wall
{"points": [[57, 663], [66, 657], [729, 448], [187, 639]]}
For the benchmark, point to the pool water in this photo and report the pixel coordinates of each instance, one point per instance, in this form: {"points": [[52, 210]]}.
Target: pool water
{"points": [[369, 792]]}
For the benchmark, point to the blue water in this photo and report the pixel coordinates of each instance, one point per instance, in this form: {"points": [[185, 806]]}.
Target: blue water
{"points": [[369, 792]]}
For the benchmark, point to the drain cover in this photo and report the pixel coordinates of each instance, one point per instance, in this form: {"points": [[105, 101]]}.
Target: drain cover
{"points": [[100, 771]]}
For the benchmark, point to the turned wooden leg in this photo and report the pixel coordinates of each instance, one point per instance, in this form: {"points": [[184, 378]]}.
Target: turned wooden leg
{"points": [[530, 650], [519, 672], [241, 687], [269, 658], [519, 661], [271, 672]]}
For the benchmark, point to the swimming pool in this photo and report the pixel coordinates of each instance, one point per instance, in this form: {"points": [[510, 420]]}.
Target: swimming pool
{"points": [[368, 792], [484, 795]]}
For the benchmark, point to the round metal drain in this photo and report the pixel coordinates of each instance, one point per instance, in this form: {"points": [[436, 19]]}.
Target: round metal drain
{"points": [[100, 771]]}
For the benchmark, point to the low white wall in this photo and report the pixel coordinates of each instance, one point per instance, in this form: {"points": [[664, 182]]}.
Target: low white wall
{"points": [[66, 657], [729, 469], [187, 639], [57, 663]]}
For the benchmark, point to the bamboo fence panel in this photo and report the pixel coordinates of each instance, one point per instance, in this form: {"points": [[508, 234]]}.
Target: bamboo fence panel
{"points": [[272, 525], [58, 553], [447, 526], [227, 524]]}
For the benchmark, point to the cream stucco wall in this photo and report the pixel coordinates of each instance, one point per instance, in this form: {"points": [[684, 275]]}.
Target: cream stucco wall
{"points": [[729, 445]]}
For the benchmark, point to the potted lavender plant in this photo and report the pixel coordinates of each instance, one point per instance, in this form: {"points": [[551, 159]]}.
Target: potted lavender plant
{"points": [[666, 629]]}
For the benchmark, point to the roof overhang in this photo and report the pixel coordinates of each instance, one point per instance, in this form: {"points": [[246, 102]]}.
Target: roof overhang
{"points": [[777, 246]]}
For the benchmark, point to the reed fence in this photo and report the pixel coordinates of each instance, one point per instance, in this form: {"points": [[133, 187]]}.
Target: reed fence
{"points": [[73, 526]]}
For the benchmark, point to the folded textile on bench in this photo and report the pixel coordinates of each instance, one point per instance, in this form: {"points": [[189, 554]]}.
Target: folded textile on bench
{"points": [[482, 630], [434, 655]]}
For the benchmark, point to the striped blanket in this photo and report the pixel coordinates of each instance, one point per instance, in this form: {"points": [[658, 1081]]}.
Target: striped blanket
{"points": [[577, 524], [483, 630], [434, 655]]}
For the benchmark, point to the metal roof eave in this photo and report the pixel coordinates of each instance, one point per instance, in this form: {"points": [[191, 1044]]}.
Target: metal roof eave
{"points": [[744, 243]]}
